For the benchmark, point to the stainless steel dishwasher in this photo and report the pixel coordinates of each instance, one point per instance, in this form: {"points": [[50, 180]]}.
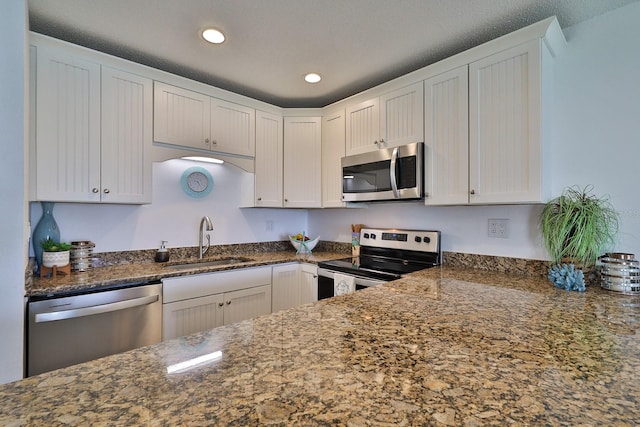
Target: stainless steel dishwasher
{"points": [[70, 328]]}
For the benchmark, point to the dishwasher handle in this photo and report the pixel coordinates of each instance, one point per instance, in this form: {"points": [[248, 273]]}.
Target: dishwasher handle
{"points": [[96, 309]]}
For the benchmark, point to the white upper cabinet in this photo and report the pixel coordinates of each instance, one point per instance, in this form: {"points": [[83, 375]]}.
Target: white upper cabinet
{"points": [[393, 119], [181, 117], [401, 116], [505, 127], [363, 127], [268, 160], [333, 149], [302, 162], [232, 128], [446, 149], [126, 137], [67, 127], [190, 119], [93, 130]]}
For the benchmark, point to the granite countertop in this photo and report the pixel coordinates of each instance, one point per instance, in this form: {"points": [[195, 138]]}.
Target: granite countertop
{"points": [[442, 347], [149, 271]]}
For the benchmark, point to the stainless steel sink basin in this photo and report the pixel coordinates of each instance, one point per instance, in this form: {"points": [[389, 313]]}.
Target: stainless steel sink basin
{"points": [[207, 263]]}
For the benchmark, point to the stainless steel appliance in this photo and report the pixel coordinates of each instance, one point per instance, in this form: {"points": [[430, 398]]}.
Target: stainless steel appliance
{"points": [[388, 174], [65, 329], [385, 255]]}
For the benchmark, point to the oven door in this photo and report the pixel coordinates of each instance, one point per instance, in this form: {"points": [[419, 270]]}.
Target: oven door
{"points": [[387, 174], [326, 285]]}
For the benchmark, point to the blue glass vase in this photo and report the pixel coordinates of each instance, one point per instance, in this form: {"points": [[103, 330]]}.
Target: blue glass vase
{"points": [[47, 228]]}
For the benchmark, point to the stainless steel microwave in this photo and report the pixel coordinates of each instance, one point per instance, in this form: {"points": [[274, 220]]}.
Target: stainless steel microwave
{"points": [[395, 173]]}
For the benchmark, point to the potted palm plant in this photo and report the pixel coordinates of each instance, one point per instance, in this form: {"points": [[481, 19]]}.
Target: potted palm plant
{"points": [[577, 227], [55, 254]]}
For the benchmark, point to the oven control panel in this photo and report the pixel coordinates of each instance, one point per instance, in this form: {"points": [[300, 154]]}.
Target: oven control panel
{"points": [[410, 240]]}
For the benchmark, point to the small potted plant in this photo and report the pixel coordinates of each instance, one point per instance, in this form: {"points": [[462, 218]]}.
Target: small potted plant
{"points": [[55, 254], [577, 227]]}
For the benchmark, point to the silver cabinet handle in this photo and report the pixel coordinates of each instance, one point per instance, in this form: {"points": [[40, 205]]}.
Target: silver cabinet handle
{"points": [[228, 302], [106, 191], [95, 190], [96, 309], [472, 191], [220, 304]]}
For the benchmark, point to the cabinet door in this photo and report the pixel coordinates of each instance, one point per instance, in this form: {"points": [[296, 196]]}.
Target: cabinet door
{"points": [[504, 119], [126, 137], [363, 127], [446, 138], [232, 128], [333, 149], [186, 317], [308, 283], [67, 128], [247, 304], [401, 116], [269, 160], [181, 117], [285, 290], [302, 158]]}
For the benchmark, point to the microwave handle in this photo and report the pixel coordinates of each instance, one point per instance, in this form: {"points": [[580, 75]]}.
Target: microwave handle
{"points": [[392, 173]]}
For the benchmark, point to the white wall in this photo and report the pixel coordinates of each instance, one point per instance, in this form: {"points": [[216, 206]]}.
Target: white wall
{"points": [[596, 141], [598, 115], [13, 112], [174, 216]]}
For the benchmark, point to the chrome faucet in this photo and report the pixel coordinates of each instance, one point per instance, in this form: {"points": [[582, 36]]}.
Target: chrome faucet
{"points": [[209, 227]]}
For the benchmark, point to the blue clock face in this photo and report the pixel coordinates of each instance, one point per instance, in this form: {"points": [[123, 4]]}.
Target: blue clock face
{"points": [[196, 182]]}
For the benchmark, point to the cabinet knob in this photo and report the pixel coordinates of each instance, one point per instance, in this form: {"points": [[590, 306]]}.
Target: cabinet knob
{"points": [[472, 191], [95, 190], [214, 142], [286, 200], [228, 302], [376, 142], [381, 140], [220, 304], [206, 140], [106, 191], [259, 198]]}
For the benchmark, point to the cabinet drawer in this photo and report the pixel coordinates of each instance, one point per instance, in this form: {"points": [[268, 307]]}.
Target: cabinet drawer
{"points": [[199, 285]]}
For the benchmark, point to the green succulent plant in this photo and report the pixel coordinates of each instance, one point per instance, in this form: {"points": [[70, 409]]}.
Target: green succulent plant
{"points": [[579, 226], [50, 245]]}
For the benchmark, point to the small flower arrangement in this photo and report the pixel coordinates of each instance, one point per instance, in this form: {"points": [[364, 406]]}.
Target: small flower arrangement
{"points": [[567, 276]]}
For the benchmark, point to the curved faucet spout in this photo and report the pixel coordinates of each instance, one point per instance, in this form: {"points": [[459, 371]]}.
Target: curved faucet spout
{"points": [[205, 225]]}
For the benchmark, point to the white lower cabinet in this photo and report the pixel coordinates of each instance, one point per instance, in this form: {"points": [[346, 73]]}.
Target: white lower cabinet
{"points": [[205, 301], [293, 284]]}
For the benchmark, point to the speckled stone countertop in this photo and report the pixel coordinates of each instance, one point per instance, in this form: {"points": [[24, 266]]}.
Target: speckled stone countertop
{"points": [[442, 347]]}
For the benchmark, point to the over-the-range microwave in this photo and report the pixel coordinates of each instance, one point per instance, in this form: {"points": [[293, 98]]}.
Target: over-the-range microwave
{"points": [[395, 173]]}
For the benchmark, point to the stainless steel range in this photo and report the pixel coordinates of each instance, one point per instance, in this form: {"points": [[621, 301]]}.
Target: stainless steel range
{"points": [[385, 255]]}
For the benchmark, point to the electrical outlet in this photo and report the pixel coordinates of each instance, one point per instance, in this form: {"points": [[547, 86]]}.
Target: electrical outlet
{"points": [[499, 228]]}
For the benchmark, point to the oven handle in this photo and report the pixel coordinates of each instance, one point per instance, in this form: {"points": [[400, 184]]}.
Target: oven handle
{"points": [[392, 173], [96, 309], [360, 281]]}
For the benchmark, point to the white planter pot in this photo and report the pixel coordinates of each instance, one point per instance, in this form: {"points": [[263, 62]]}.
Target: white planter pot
{"points": [[57, 259]]}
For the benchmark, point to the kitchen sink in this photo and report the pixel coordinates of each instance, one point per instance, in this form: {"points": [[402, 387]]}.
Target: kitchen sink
{"points": [[207, 263]]}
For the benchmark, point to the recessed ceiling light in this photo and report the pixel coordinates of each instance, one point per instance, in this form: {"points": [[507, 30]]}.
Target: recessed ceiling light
{"points": [[312, 78], [213, 36]]}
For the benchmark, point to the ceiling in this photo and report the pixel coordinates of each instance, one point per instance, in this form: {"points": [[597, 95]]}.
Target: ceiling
{"points": [[272, 44]]}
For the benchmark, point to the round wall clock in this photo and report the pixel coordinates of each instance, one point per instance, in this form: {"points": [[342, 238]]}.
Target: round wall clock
{"points": [[196, 182]]}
